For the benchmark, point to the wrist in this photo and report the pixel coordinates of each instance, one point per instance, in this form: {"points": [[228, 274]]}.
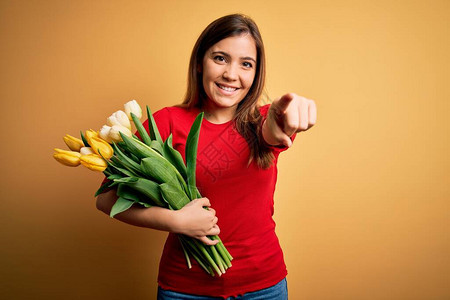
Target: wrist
{"points": [[158, 218], [267, 136], [176, 223]]}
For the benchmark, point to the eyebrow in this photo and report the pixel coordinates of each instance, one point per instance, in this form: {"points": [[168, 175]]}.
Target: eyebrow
{"points": [[228, 55]]}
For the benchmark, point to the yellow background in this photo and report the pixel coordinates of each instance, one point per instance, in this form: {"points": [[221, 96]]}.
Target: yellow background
{"points": [[362, 202]]}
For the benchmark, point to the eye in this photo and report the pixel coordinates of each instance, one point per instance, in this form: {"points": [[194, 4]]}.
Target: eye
{"points": [[247, 64], [219, 58]]}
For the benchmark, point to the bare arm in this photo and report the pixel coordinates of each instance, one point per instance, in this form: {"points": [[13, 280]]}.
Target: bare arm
{"points": [[192, 220]]}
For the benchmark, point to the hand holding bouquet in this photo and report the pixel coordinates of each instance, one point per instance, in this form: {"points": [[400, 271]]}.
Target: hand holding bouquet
{"points": [[146, 171]]}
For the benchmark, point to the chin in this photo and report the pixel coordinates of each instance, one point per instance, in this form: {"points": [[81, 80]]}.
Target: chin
{"points": [[225, 102]]}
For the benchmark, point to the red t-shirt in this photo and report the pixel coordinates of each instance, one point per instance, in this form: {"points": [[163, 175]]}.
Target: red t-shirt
{"points": [[243, 199]]}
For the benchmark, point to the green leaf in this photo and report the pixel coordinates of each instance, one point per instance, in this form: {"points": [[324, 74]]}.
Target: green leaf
{"points": [[126, 179], [135, 158], [142, 132], [121, 205], [191, 155], [157, 147], [114, 184], [103, 187], [124, 149], [174, 157], [114, 176], [125, 161], [115, 163], [86, 144], [108, 172], [159, 169], [137, 147], [127, 193], [146, 205], [147, 188], [174, 195], [152, 128], [166, 201]]}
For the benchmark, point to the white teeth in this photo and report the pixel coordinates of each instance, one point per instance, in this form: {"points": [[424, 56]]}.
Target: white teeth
{"points": [[228, 89]]}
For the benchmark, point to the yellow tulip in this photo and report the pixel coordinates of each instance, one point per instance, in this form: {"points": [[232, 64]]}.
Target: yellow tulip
{"points": [[73, 143], [93, 162], [100, 146], [90, 134], [67, 158]]}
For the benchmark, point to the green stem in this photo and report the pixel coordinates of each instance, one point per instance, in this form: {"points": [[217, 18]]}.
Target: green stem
{"points": [[197, 255], [186, 255], [222, 253], [194, 249], [218, 259], [203, 265], [225, 249], [205, 253]]}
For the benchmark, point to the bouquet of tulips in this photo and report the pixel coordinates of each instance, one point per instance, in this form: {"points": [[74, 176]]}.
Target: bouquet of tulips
{"points": [[146, 171]]}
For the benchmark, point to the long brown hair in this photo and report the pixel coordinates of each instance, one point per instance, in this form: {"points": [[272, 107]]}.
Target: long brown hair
{"points": [[248, 120]]}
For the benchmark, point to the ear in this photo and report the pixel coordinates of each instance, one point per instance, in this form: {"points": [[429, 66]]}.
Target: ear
{"points": [[199, 68]]}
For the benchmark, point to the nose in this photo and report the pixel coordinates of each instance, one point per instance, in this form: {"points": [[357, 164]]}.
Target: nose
{"points": [[231, 72]]}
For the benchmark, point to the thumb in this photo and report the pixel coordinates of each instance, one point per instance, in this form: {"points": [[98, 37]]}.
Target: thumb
{"points": [[286, 140]]}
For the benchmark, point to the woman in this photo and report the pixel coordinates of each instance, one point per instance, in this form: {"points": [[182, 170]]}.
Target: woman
{"points": [[236, 168]]}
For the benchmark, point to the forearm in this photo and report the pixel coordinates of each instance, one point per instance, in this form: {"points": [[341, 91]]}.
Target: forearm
{"points": [[192, 220], [153, 217]]}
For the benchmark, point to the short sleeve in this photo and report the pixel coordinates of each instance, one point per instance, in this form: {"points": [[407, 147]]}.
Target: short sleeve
{"points": [[280, 148]]}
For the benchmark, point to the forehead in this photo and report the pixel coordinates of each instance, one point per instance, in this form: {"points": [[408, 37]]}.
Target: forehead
{"points": [[239, 46]]}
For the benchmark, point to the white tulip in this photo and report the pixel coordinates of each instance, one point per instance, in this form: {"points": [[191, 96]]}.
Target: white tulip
{"points": [[119, 118], [104, 133], [133, 107], [115, 135], [86, 150]]}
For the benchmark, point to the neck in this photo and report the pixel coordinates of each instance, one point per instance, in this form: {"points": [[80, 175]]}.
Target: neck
{"points": [[219, 115]]}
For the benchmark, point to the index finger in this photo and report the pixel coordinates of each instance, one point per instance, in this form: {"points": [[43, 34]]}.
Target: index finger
{"points": [[204, 201], [284, 101], [212, 210], [208, 241]]}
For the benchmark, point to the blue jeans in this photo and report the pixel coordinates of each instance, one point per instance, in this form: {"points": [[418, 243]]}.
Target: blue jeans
{"points": [[275, 292]]}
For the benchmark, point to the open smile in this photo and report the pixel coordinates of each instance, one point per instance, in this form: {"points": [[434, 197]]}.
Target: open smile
{"points": [[226, 88]]}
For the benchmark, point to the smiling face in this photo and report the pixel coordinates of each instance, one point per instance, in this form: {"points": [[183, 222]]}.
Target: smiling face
{"points": [[228, 70]]}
